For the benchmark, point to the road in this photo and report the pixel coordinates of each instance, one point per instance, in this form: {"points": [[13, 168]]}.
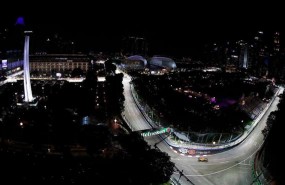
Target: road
{"points": [[232, 167], [131, 112]]}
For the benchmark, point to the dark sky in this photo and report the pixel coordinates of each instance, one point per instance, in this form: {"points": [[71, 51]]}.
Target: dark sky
{"points": [[174, 29]]}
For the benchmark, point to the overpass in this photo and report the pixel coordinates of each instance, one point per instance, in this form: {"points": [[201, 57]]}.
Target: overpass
{"points": [[155, 131]]}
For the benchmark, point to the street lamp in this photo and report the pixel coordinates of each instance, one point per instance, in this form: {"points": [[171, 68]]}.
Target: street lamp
{"points": [[180, 174], [116, 126]]}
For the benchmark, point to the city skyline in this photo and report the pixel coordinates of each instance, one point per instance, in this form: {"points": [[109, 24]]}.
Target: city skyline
{"points": [[169, 31], [90, 114]]}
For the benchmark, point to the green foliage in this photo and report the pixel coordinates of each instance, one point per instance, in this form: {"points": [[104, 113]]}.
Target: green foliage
{"points": [[273, 145], [115, 96], [77, 72]]}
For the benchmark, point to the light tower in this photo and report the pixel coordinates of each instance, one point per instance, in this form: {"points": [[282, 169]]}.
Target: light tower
{"points": [[27, 81]]}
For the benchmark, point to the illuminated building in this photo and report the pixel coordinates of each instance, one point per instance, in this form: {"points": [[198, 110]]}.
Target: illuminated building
{"points": [[276, 42], [134, 62], [135, 45], [244, 59], [163, 62], [59, 63]]}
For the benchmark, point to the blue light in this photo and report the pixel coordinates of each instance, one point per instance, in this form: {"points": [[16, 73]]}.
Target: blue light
{"points": [[20, 21], [85, 120]]}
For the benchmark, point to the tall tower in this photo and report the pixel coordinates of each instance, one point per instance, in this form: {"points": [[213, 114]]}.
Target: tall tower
{"points": [[244, 57], [244, 61], [27, 81], [276, 42], [133, 45]]}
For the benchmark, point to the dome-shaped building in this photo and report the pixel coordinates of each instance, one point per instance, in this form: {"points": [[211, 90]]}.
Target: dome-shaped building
{"points": [[134, 62], [163, 62]]}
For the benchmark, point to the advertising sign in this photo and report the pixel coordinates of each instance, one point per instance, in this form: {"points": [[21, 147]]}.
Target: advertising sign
{"points": [[4, 63]]}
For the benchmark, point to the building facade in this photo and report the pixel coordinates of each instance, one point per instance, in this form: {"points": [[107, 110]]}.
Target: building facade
{"points": [[58, 63]]}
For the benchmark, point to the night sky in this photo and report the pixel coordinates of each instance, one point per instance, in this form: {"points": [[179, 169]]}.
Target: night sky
{"points": [[170, 29]]}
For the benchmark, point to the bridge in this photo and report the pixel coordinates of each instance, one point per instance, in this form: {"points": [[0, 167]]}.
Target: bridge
{"points": [[153, 132]]}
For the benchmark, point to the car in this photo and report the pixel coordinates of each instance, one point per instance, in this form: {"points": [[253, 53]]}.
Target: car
{"points": [[202, 159]]}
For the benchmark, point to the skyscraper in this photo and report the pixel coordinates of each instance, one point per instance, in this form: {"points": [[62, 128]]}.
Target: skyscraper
{"points": [[133, 45], [244, 61], [244, 57], [276, 42], [259, 54]]}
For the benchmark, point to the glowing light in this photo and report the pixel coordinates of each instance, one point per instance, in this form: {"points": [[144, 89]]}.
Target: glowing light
{"points": [[20, 21], [157, 132], [27, 81]]}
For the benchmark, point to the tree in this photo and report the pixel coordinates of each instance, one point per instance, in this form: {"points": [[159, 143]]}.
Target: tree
{"points": [[77, 72], [151, 163], [110, 67], [95, 138], [114, 93]]}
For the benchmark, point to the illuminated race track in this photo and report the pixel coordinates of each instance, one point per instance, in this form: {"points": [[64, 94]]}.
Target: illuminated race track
{"points": [[132, 114], [232, 167]]}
